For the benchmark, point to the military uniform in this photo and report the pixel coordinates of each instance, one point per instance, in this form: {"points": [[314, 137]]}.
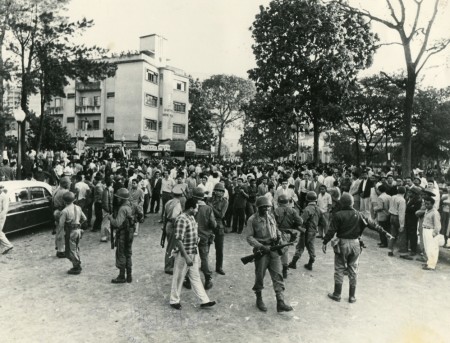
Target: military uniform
{"points": [[71, 219], [172, 210], [219, 206]]}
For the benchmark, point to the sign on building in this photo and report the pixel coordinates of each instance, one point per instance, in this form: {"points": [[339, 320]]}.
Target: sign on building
{"points": [[190, 146]]}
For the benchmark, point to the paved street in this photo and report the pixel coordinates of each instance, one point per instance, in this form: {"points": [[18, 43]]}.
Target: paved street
{"points": [[397, 300]]}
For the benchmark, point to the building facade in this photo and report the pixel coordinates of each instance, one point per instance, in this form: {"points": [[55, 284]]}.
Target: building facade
{"points": [[146, 99]]}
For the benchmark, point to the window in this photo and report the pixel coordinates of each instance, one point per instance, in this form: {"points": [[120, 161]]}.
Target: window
{"points": [[180, 85], [160, 101], [18, 195], [151, 100], [96, 101], [57, 102], [70, 95], [178, 128], [151, 76], [110, 95], [83, 101], [70, 120], [110, 120], [150, 124], [37, 193], [179, 107], [96, 124]]}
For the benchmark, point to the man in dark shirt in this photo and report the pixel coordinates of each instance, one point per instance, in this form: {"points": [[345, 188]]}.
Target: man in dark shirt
{"points": [[239, 205], [348, 225]]}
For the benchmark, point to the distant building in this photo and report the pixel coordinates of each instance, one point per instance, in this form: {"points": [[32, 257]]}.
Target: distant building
{"points": [[146, 99]]}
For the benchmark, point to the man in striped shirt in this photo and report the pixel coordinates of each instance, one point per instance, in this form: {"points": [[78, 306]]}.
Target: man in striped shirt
{"points": [[186, 257]]}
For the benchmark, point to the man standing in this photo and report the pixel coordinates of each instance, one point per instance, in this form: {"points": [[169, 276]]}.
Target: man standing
{"points": [[364, 192], [289, 192], [71, 219], [287, 220], [137, 203], [312, 218], [6, 172], [261, 232], [98, 198], [4, 207], [348, 225], [124, 226], [166, 191], [303, 189], [239, 205], [263, 188], [397, 210], [107, 208], [171, 212], [413, 205], [58, 206], [155, 185], [219, 205], [324, 202], [186, 257], [431, 227], [381, 209], [206, 224]]}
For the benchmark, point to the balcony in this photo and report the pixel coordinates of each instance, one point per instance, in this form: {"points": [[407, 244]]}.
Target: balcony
{"points": [[85, 87], [91, 109], [54, 111], [90, 133]]}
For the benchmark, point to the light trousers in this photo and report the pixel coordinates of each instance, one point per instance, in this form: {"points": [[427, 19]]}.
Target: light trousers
{"points": [[431, 245], [105, 227], [4, 242], [179, 272]]}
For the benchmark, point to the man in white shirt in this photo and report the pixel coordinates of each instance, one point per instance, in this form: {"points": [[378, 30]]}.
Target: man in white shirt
{"points": [[289, 192], [328, 179], [324, 201], [166, 191], [4, 207]]}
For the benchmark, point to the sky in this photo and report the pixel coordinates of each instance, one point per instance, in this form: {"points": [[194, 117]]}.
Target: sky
{"points": [[207, 37]]}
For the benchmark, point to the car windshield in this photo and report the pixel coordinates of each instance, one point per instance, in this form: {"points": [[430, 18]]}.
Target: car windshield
{"points": [[18, 195]]}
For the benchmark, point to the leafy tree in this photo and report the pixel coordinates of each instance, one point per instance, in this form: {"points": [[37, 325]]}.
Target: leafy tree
{"points": [[199, 125], [55, 136], [265, 135], [413, 36], [225, 95], [309, 53], [42, 41]]}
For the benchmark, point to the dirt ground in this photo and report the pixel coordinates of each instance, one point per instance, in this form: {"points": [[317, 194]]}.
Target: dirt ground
{"points": [[397, 300]]}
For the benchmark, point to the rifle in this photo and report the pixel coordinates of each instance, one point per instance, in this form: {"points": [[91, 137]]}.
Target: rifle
{"points": [[112, 236], [163, 234], [259, 253]]}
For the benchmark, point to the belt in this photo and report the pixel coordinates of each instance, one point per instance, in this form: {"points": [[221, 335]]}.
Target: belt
{"points": [[427, 228], [167, 192], [349, 239], [396, 215]]}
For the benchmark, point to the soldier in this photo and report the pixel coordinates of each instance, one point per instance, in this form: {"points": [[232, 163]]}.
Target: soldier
{"points": [[287, 220], [172, 210], [311, 217], [219, 205], [71, 219], [261, 232], [124, 226], [58, 206], [348, 226]]}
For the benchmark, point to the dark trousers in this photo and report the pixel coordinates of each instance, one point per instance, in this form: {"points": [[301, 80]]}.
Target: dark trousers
{"points": [[387, 227], [411, 236], [218, 244], [272, 262], [89, 213], [169, 260], [250, 208], [146, 202], [229, 215], [124, 243], [155, 201], [306, 240], [98, 216], [347, 259], [203, 251], [238, 219], [165, 198]]}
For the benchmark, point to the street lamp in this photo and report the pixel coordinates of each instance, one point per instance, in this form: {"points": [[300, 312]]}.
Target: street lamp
{"points": [[19, 116]]}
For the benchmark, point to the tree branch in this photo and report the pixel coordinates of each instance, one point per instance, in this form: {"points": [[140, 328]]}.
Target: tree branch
{"points": [[427, 34], [393, 15], [367, 14], [435, 50], [416, 19]]}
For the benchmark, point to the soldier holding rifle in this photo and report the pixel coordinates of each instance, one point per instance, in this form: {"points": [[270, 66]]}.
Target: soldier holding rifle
{"points": [[348, 225], [261, 233]]}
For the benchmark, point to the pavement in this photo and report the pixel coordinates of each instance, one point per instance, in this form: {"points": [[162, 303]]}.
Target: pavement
{"points": [[40, 302]]}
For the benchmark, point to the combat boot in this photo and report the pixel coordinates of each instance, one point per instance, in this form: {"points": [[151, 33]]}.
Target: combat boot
{"points": [[120, 278], [352, 298], [208, 283], [336, 295], [129, 277], [293, 264], [285, 272], [259, 302], [281, 305], [309, 264]]}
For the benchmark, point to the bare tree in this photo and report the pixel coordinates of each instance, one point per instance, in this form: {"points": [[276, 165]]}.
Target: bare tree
{"points": [[410, 35]]}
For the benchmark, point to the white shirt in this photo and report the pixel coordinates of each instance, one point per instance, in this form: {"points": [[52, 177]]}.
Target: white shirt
{"points": [[324, 202], [82, 189]]}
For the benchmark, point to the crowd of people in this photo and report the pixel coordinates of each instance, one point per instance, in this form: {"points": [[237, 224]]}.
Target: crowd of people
{"points": [[200, 200]]}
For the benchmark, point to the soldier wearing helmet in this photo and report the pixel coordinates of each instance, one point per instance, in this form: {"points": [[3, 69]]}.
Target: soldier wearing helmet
{"points": [[71, 219], [311, 217], [219, 205], [58, 205], [123, 223], [261, 232], [287, 220]]}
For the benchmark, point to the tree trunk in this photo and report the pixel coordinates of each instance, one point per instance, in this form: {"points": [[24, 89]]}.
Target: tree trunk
{"points": [[41, 125], [219, 146], [316, 142], [358, 157], [407, 121], [2, 92]]}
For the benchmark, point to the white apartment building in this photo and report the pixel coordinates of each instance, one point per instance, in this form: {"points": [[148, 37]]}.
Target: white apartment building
{"points": [[146, 97]]}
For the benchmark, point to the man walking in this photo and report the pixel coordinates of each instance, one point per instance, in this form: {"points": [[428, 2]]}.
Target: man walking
{"points": [[171, 212], [4, 207], [219, 205], [186, 257], [58, 206]]}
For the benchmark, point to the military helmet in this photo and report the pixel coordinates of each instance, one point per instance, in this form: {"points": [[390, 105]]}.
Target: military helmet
{"points": [[311, 196], [283, 199], [197, 193], [263, 201], [219, 187], [122, 193], [68, 197]]}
